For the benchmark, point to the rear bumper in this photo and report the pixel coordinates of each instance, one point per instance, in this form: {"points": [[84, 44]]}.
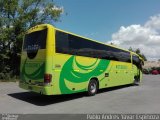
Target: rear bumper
{"points": [[44, 90]]}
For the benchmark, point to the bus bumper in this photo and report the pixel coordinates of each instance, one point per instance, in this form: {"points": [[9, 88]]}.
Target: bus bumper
{"points": [[44, 90]]}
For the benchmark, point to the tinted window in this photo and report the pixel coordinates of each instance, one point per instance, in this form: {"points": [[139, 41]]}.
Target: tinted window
{"points": [[35, 40], [136, 60], [62, 42], [70, 44]]}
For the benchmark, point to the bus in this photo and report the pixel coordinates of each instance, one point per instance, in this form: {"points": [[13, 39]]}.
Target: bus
{"points": [[55, 62]]}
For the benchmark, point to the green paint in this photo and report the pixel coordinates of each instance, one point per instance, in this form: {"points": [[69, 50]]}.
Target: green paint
{"points": [[35, 75], [68, 73], [33, 65]]}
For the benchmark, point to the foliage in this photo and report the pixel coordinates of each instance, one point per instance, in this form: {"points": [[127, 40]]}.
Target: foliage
{"points": [[146, 71], [16, 16], [138, 51]]}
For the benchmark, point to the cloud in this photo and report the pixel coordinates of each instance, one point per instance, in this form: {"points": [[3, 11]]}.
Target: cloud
{"points": [[153, 23], [145, 37]]}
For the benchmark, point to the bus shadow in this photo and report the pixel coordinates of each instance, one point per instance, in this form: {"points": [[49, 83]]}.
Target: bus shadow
{"points": [[42, 100], [114, 88]]}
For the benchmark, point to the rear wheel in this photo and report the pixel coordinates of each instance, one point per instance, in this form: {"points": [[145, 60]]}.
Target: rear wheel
{"points": [[92, 87]]}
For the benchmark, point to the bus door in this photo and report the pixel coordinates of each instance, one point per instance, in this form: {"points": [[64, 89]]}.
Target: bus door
{"points": [[137, 67]]}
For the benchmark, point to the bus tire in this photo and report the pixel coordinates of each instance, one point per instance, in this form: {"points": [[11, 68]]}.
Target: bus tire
{"points": [[136, 81], [92, 87]]}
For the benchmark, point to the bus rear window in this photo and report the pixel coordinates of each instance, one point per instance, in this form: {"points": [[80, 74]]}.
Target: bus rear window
{"points": [[35, 40]]}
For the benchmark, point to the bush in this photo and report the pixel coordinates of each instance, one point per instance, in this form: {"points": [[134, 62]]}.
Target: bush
{"points": [[8, 77], [146, 71]]}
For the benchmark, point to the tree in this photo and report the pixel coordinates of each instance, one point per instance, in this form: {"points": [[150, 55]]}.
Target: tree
{"points": [[16, 16], [138, 51], [130, 49]]}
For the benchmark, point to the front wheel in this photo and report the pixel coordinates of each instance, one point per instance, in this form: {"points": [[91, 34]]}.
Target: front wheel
{"points": [[136, 81], [92, 87]]}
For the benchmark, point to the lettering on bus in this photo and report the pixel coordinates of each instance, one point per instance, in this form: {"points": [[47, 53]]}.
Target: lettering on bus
{"points": [[121, 67], [32, 65]]}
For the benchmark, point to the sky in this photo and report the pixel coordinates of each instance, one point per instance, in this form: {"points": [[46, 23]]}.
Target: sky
{"points": [[126, 23]]}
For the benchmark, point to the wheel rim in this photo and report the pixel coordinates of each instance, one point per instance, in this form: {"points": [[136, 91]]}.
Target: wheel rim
{"points": [[93, 88]]}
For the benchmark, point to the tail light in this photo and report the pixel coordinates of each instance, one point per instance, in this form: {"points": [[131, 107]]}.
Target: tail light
{"points": [[47, 78]]}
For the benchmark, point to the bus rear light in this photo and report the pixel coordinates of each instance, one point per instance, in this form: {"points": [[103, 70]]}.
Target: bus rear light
{"points": [[47, 78]]}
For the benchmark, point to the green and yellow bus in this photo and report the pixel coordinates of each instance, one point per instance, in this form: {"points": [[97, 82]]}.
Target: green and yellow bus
{"points": [[55, 62]]}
